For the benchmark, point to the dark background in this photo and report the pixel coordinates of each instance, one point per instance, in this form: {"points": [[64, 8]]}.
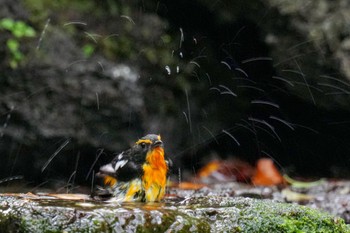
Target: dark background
{"points": [[205, 75]]}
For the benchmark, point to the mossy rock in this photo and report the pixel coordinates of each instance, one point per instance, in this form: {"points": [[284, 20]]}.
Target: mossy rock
{"points": [[27, 213]]}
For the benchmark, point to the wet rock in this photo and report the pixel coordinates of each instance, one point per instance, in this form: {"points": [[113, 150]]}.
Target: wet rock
{"points": [[32, 213]]}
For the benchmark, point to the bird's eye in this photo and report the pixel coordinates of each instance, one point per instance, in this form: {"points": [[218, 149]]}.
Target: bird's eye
{"points": [[143, 145]]}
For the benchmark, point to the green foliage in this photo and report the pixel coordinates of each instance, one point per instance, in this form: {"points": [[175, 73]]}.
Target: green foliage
{"points": [[18, 30], [88, 50]]}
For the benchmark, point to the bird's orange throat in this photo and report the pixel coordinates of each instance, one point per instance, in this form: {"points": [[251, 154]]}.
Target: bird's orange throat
{"points": [[156, 158], [155, 172], [155, 169]]}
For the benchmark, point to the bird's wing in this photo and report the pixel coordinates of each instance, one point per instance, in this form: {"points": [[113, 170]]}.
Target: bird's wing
{"points": [[122, 168]]}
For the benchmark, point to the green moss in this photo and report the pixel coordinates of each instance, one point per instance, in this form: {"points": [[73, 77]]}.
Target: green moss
{"points": [[310, 220], [251, 215]]}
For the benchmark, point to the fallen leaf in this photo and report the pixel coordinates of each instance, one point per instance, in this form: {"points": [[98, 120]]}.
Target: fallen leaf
{"points": [[209, 168], [226, 170], [292, 196], [69, 196], [266, 173], [188, 185], [302, 184]]}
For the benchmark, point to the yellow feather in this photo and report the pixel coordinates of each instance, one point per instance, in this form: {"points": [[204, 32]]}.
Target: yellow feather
{"points": [[134, 187], [147, 141], [109, 180]]}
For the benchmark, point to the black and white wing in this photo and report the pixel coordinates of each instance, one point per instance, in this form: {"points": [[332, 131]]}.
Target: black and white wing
{"points": [[123, 167]]}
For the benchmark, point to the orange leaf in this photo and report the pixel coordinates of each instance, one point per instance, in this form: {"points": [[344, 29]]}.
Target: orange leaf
{"points": [[226, 170], [266, 173], [209, 168], [190, 185]]}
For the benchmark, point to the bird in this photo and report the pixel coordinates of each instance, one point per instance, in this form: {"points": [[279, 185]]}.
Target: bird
{"points": [[138, 174]]}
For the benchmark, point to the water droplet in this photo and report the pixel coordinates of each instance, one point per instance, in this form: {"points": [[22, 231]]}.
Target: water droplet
{"points": [[167, 68]]}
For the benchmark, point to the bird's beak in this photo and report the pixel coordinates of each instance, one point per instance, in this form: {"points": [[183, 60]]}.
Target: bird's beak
{"points": [[157, 143]]}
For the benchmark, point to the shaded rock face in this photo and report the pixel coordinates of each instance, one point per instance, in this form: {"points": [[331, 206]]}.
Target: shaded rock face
{"points": [[45, 106], [76, 111], [326, 26], [63, 103], [49, 101]]}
